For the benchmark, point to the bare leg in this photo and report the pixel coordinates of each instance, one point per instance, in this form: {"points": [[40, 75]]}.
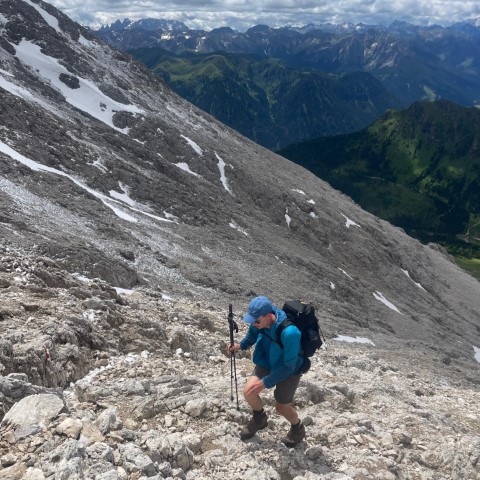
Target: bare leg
{"points": [[259, 419], [253, 400], [287, 411]]}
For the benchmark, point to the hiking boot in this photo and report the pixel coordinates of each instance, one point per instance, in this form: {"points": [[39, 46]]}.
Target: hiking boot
{"points": [[258, 422], [295, 435]]}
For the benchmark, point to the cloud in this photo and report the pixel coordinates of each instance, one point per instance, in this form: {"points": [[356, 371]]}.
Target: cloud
{"points": [[242, 14]]}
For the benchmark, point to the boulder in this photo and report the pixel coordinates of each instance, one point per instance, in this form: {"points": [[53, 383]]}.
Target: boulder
{"points": [[35, 410]]}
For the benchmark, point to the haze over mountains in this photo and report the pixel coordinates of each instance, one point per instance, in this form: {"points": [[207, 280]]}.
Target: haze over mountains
{"points": [[283, 85], [109, 179]]}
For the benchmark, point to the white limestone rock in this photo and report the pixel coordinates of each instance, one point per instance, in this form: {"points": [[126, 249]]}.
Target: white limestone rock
{"points": [[35, 410]]}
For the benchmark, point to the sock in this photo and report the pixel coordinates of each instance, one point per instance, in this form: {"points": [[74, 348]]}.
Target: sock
{"points": [[259, 412]]}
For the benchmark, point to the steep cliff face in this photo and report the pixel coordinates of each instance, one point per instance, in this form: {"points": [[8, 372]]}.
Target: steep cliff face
{"points": [[107, 171]]}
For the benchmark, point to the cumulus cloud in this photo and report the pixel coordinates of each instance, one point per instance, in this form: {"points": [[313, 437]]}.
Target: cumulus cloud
{"points": [[242, 14]]}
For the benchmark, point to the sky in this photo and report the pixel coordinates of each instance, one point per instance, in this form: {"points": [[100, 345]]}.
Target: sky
{"points": [[243, 14]]}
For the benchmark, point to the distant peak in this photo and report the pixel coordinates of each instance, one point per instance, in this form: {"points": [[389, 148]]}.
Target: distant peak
{"points": [[223, 30], [258, 28]]}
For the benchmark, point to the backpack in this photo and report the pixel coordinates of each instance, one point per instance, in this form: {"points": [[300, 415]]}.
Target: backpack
{"points": [[302, 315]]}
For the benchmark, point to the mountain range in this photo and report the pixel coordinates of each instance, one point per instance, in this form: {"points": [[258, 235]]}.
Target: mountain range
{"points": [[268, 101], [130, 220], [413, 62]]}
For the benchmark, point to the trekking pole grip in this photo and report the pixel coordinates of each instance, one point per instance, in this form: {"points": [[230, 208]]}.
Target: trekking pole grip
{"points": [[232, 325]]}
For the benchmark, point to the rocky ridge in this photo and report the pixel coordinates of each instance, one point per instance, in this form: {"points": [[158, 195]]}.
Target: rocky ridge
{"points": [[108, 385]]}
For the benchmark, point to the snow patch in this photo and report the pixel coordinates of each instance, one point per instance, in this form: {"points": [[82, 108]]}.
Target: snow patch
{"points": [[345, 273], [123, 197], [50, 19], [87, 97], [195, 147], [16, 90], [301, 192], [21, 92], [38, 167], [123, 291], [349, 222], [99, 164], [223, 178], [313, 214], [379, 296], [416, 283], [93, 373], [288, 219], [477, 354], [8, 74], [233, 225], [87, 43], [169, 216], [81, 277], [344, 338], [184, 166]]}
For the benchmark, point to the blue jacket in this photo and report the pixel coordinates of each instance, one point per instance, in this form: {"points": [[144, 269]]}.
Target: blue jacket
{"points": [[282, 362]]}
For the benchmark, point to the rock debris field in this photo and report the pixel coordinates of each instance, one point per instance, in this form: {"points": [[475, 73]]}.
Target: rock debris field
{"points": [[97, 384]]}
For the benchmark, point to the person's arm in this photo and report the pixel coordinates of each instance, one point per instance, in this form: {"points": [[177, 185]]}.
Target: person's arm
{"points": [[291, 350], [248, 340]]}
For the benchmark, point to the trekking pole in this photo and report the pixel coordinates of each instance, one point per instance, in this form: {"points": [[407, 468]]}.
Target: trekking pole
{"points": [[233, 366]]}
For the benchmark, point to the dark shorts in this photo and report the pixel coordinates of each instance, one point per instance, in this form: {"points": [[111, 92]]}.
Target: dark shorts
{"points": [[285, 390]]}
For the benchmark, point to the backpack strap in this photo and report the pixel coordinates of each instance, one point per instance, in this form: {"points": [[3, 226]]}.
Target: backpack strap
{"points": [[278, 334]]}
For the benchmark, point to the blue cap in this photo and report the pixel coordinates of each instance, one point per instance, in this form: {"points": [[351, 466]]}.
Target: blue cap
{"points": [[258, 307]]}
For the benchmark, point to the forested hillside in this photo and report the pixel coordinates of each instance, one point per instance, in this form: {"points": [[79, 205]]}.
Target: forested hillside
{"points": [[418, 168], [268, 101]]}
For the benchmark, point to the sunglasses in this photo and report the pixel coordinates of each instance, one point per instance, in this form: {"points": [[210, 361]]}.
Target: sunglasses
{"points": [[259, 320]]}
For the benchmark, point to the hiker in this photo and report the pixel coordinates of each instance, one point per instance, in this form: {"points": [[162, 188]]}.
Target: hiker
{"points": [[274, 367]]}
